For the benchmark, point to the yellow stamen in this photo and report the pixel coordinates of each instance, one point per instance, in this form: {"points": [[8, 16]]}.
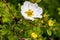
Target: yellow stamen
{"points": [[29, 13]]}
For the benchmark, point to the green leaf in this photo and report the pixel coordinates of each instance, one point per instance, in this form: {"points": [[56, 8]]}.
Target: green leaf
{"points": [[37, 1], [17, 29], [11, 37], [5, 19], [58, 9], [3, 31], [49, 32]]}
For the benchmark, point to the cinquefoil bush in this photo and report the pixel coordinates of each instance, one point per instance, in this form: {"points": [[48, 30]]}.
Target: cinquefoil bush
{"points": [[29, 19]]}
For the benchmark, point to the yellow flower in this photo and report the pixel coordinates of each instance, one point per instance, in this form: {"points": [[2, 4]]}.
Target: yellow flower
{"points": [[34, 35], [50, 22], [45, 15]]}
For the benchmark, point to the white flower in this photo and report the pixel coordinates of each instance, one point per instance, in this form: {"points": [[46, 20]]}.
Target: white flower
{"points": [[31, 10]]}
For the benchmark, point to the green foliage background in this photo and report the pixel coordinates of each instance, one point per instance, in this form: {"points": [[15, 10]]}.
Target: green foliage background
{"points": [[14, 27]]}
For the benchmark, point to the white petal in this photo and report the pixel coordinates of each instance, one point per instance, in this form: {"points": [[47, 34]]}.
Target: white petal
{"points": [[24, 8], [29, 18], [38, 12], [33, 6], [24, 15], [26, 3], [40, 16]]}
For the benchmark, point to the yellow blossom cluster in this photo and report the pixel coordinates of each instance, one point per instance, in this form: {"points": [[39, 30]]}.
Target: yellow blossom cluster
{"points": [[51, 22], [34, 35]]}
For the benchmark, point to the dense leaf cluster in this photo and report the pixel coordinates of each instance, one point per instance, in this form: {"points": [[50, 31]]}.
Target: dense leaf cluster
{"points": [[14, 27]]}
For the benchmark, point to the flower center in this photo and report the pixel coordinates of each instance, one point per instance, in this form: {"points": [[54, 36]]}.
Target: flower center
{"points": [[29, 13]]}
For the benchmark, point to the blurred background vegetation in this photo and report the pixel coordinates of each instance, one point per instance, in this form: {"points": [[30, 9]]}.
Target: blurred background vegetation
{"points": [[14, 27]]}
